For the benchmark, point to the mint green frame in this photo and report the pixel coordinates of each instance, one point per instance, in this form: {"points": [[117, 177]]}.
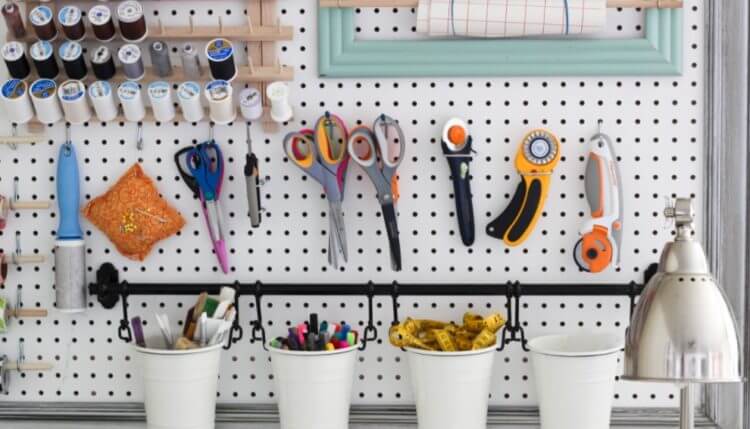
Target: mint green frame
{"points": [[341, 55]]}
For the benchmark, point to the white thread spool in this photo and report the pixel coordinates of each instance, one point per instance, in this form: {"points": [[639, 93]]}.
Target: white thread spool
{"points": [[103, 100], [129, 93], [251, 104], [220, 104], [160, 96], [72, 95], [44, 97], [15, 95], [189, 96], [278, 94]]}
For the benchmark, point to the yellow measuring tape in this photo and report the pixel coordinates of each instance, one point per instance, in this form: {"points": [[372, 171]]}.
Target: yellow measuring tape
{"points": [[477, 332]]}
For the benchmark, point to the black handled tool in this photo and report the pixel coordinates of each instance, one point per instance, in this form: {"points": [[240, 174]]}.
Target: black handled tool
{"points": [[456, 143], [252, 181]]}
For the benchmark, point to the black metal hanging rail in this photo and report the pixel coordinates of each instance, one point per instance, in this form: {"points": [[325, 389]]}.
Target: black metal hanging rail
{"points": [[109, 290]]}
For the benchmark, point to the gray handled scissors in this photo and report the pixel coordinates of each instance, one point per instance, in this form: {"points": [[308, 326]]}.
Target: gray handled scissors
{"points": [[379, 152]]}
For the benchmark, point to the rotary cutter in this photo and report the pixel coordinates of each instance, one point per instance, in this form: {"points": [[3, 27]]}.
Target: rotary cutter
{"points": [[601, 235], [456, 143], [537, 157]]}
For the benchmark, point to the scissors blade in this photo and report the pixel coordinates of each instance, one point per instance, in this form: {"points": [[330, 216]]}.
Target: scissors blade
{"points": [[391, 227], [337, 217], [333, 257], [216, 231]]}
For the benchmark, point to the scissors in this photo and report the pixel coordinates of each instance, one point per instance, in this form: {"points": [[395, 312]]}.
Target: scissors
{"points": [[204, 176], [379, 152], [322, 154]]}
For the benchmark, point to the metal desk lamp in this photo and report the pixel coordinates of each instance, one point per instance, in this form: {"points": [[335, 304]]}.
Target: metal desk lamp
{"points": [[683, 330]]}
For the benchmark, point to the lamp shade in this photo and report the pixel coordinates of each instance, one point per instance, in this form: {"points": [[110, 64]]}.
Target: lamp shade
{"points": [[682, 330]]}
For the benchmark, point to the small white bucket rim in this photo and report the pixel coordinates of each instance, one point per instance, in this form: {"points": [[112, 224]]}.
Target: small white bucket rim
{"points": [[167, 352], [316, 353], [451, 354], [610, 343]]}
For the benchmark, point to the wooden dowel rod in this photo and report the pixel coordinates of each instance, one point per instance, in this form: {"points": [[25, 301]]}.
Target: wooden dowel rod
{"points": [[646, 4], [29, 366], [19, 139], [30, 205], [28, 259], [28, 312]]}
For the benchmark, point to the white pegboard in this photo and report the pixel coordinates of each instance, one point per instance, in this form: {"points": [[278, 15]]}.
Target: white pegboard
{"points": [[656, 123]]}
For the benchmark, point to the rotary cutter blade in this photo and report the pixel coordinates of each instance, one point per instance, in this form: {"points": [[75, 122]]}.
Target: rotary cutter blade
{"points": [[536, 158], [601, 234]]}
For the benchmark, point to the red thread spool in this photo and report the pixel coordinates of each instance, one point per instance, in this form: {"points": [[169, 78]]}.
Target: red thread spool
{"points": [[13, 20], [100, 18], [132, 21], [41, 19], [71, 21]]}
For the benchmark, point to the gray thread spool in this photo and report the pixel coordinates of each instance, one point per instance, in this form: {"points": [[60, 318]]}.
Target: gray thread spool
{"points": [[132, 63], [160, 59], [191, 64]]}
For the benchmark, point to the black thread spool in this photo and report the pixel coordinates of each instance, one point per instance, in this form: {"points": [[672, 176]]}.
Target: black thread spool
{"points": [[102, 63], [43, 56], [14, 56], [13, 20], [102, 25], [71, 22], [41, 19], [220, 54], [132, 21], [71, 54]]}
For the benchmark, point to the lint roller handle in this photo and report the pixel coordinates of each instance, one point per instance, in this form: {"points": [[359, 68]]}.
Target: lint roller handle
{"points": [[517, 221], [459, 166], [68, 194], [252, 182]]}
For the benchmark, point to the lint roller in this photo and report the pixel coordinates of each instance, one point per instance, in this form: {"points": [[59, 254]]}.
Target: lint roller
{"points": [[7, 312], [601, 234], [46, 103], [129, 93], [220, 104], [251, 104], [160, 96], [43, 56], [220, 54], [456, 144], [278, 94], [14, 55], [70, 264], [42, 20], [15, 96], [189, 97], [103, 99], [536, 158], [72, 94]]}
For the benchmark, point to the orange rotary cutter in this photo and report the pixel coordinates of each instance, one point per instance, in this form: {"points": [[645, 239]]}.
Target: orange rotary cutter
{"points": [[537, 157]]}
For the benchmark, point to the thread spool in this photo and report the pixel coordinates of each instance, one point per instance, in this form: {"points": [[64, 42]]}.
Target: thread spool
{"points": [[14, 56], [43, 56], [189, 97], [129, 93], [46, 104], [16, 101], [132, 61], [278, 94], [13, 20], [71, 21], [191, 63], [220, 54], [103, 99], [132, 21], [102, 25], [72, 94], [160, 96], [71, 54], [160, 61], [220, 106], [251, 104], [41, 18], [102, 63]]}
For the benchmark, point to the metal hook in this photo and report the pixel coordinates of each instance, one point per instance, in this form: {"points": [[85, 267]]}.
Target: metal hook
{"points": [[18, 247], [68, 140], [211, 132], [258, 323], [599, 126], [236, 332], [370, 328], [394, 299], [21, 355], [19, 301], [139, 136], [14, 133], [16, 194]]}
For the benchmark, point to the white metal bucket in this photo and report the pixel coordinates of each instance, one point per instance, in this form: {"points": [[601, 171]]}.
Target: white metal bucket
{"points": [[180, 387], [451, 389], [575, 379], [313, 389]]}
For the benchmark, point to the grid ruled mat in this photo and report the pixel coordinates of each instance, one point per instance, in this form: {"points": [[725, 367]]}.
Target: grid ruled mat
{"points": [[656, 125]]}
